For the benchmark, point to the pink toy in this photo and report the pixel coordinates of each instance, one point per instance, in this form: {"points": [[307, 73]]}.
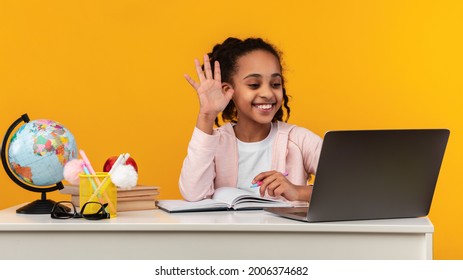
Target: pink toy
{"points": [[71, 171]]}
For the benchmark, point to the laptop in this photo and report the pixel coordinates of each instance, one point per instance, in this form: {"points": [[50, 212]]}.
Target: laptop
{"points": [[374, 174]]}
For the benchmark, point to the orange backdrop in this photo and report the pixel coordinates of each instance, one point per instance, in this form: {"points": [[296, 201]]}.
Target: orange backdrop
{"points": [[112, 72]]}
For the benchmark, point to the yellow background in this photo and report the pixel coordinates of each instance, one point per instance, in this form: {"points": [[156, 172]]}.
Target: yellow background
{"points": [[112, 72]]}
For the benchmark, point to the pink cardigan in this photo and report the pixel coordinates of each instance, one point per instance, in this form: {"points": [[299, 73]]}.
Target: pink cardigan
{"points": [[212, 160]]}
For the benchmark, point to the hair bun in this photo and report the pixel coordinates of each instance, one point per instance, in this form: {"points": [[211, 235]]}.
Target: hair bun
{"points": [[218, 49]]}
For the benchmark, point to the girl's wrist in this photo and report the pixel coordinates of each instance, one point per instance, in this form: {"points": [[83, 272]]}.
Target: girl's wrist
{"points": [[207, 116], [305, 192], [205, 122]]}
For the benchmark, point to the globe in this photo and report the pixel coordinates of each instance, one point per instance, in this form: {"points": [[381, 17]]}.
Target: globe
{"points": [[39, 150], [37, 153]]}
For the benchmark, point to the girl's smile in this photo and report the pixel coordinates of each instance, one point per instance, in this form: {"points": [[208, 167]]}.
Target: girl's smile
{"points": [[265, 107]]}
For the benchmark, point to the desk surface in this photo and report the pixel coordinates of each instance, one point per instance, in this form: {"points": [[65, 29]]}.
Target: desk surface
{"points": [[156, 234], [158, 220]]}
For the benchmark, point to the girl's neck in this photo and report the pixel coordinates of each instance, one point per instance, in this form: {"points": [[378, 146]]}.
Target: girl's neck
{"points": [[251, 132]]}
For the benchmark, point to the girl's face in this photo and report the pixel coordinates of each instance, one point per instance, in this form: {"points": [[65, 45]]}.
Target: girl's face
{"points": [[258, 87]]}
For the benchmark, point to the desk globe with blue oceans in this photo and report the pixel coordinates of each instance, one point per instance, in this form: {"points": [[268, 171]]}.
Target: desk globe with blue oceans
{"points": [[37, 153]]}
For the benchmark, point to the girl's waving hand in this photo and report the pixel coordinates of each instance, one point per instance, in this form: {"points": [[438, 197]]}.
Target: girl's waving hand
{"points": [[213, 95]]}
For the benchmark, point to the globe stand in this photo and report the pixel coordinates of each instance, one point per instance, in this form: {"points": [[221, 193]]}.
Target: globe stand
{"points": [[40, 206]]}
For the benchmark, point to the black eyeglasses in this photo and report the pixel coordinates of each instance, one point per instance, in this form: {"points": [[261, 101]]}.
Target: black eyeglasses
{"points": [[90, 211]]}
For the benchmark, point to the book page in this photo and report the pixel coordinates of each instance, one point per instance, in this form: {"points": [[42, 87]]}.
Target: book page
{"points": [[240, 199], [230, 195], [185, 206]]}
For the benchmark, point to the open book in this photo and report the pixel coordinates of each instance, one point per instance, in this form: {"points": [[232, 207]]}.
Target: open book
{"points": [[225, 198]]}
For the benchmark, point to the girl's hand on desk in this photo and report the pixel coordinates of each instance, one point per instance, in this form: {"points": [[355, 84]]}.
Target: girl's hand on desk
{"points": [[277, 184], [213, 95]]}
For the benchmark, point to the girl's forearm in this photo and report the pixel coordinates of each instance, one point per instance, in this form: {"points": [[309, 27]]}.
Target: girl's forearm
{"points": [[205, 122]]}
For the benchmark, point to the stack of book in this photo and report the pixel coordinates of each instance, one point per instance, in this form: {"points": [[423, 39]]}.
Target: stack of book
{"points": [[138, 198]]}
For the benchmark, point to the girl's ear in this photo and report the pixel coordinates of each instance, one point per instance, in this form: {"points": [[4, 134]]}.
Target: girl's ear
{"points": [[227, 88]]}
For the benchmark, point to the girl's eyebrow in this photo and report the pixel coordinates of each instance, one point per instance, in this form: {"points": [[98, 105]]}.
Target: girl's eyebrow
{"points": [[260, 76], [253, 76]]}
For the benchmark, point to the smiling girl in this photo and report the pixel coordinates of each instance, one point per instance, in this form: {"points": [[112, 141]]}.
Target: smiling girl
{"points": [[243, 81]]}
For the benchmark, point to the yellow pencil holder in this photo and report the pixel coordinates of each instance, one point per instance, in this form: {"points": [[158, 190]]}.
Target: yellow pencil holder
{"points": [[98, 188]]}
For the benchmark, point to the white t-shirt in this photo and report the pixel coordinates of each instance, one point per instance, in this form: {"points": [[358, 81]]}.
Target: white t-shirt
{"points": [[254, 158]]}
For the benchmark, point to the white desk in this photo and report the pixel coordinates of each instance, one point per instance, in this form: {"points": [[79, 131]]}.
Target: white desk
{"points": [[210, 235]]}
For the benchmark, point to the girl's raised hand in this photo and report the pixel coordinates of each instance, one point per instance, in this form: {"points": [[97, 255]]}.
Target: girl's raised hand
{"points": [[213, 97]]}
